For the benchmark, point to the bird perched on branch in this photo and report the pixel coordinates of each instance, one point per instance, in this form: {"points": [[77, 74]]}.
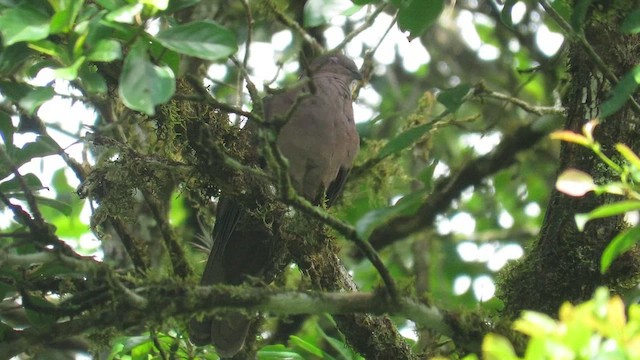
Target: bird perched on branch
{"points": [[320, 142]]}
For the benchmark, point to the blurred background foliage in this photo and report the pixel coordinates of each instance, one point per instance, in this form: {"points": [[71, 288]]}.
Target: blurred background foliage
{"points": [[429, 65]]}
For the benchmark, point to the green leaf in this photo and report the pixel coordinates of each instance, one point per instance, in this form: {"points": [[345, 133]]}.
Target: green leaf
{"points": [[92, 81], [14, 90], [69, 72], [624, 241], [144, 85], [158, 4], [418, 15], [631, 23], [13, 185], [496, 347], [38, 96], [202, 39], [105, 50], [43, 146], [125, 14], [176, 5], [608, 210], [6, 129], [163, 56], [63, 20], [13, 57], [277, 352], [404, 140], [580, 8], [58, 205], [621, 92], [23, 23], [306, 346], [453, 98]]}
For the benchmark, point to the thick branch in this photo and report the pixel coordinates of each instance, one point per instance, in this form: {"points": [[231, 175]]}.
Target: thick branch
{"points": [[450, 187], [182, 300]]}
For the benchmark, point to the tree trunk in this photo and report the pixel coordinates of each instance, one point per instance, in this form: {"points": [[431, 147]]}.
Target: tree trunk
{"points": [[564, 263]]}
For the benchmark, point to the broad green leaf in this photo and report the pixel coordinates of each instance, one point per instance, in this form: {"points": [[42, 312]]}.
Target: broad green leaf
{"points": [[58, 205], [105, 50], [48, 47], [176, 5], [603, 211], [163, 56], [364, 2], [41, 147], [144, 85], [418, 15], [13, 57], [277, 352], [496, 347], [63, 20], [23, 23], [158, 4], [306, 346], [125, 14], [453, 98], [38, 96], [621, 92], [92, 81], [69, 72], [6, 129], [580, 8], [404, 140], [202, 39], [12, 185], [14, 90], [535, 324], [631, 23], [624, 241], [574, 182]]}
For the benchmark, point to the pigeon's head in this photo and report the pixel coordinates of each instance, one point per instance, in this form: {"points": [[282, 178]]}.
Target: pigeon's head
{"points": [[335, 64]]}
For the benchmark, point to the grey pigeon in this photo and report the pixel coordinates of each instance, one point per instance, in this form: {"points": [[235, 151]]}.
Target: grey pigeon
{"points": [[320, 143]]}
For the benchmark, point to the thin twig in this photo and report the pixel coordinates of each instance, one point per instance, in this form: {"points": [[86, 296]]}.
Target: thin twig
{"points": [[282, 17], [364, 26], [247, 47], [176, 253], [251, 87], [206, 96], [31, 200], [481, 91]]}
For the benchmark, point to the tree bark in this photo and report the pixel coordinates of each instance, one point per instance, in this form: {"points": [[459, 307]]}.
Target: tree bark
{"points": [[564, 263]]}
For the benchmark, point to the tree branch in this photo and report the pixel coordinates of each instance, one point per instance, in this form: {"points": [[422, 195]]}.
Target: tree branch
{"points": [[449, 188], [177, 299]]}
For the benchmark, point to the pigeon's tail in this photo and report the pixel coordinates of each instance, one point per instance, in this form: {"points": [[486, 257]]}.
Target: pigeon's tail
{"points": [[226, 332]]}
